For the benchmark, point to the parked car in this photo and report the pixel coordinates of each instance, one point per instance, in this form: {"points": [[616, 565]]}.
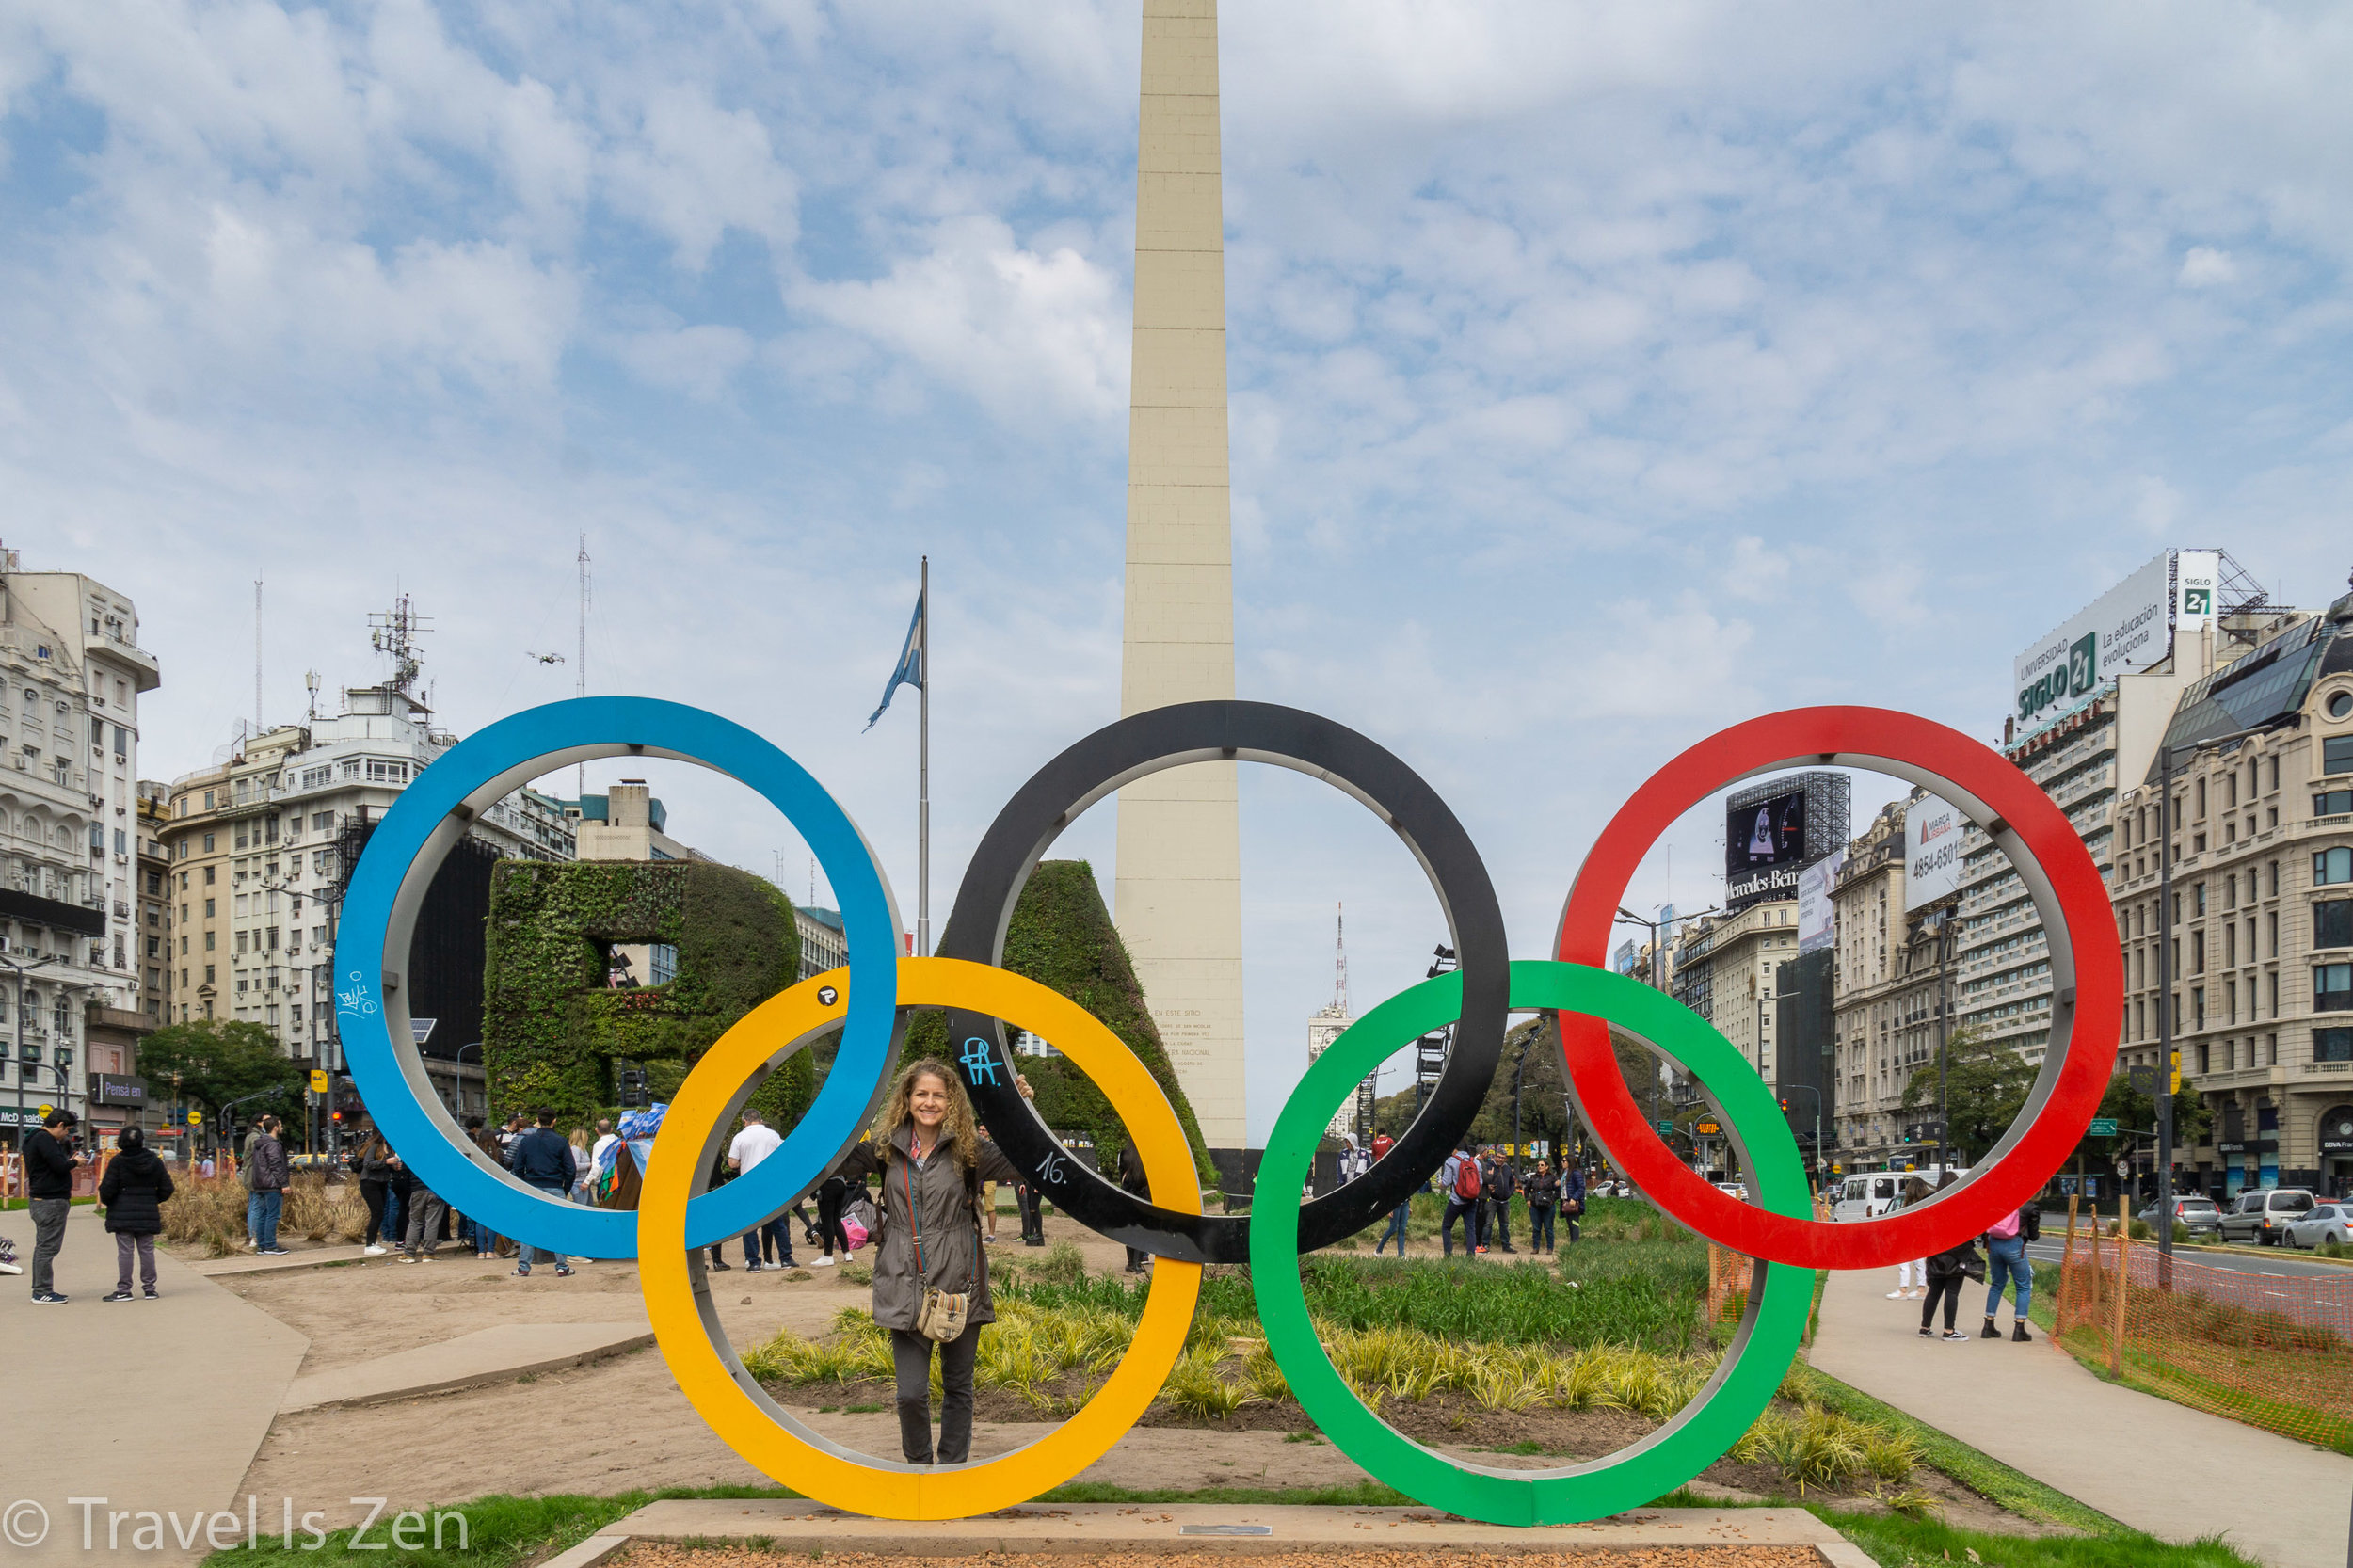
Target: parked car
{"points": [[2327, 1222], [2199, 1216], [2262, 1216], [1733, 1189]]}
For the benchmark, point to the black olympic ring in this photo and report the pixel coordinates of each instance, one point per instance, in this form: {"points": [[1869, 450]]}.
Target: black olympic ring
{"points": [[1143, 745]]}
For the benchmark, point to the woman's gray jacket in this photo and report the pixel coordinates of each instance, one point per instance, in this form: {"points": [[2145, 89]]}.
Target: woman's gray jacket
{"points": [[937, 1204]]}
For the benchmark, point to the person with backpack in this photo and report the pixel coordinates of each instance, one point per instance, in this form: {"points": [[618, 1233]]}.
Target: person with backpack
{"points": [[1947, 1273], [1572, 1193], [931, 1272], [134, 1193], [2006, 1263], [1459, 1177]]}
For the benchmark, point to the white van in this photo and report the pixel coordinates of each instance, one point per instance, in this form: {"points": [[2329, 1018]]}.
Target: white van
{"points": [[1874, 1192], [1867, 1197]]}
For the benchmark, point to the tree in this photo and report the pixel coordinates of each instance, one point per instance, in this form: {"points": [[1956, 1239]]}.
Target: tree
{"points": [[216, 1062], [2134, 1112], [1985, 1088]]}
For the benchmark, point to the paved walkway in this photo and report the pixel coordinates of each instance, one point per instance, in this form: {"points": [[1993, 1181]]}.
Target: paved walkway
{"points": [[498, 1354], [149, 1406], [1228, 1530], [2153, 1464]]}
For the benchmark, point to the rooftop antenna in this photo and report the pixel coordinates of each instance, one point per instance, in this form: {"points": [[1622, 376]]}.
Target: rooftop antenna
{"points": [[394, 634], [311, 685], [1339, 963], [257, 656], [580, 666]]}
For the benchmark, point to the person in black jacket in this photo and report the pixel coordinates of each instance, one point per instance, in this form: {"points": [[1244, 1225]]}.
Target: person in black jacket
{"points": [[1947, 1271], [49, 1166], [1132, 1180], [1572, 1197], [1502, 1181], [134, 1190]]}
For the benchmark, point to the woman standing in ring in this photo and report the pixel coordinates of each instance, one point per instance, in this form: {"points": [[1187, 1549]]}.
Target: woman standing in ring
{"points": [[931, 1273]]}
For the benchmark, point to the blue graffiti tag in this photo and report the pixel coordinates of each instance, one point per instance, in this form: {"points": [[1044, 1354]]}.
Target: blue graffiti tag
{"points": [[978, 1064]]}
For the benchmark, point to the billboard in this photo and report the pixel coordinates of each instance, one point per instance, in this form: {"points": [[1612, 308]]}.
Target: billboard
{"points": [[1624, 958], [1931, 851], [2126, 630], [1818, 925], [1764, 844]]}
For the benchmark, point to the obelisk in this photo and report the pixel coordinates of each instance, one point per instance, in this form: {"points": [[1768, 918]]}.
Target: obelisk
{"points": [[1178, 894]]}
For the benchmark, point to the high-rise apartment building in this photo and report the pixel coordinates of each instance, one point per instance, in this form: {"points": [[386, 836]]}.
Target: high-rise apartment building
{"points": [[72, 674], [1893, 1000], [2260, 931]]}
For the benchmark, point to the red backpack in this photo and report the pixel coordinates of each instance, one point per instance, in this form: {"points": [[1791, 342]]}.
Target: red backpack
{"points": [[1466, 1181]]}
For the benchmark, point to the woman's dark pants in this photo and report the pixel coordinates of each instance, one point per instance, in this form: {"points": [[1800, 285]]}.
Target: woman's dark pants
{"points": [[911, 1358]]}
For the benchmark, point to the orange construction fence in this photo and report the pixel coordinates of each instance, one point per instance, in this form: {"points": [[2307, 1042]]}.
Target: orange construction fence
{"points": [[2272, 1349]]}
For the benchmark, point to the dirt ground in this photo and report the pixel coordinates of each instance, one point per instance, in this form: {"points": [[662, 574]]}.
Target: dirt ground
{"points": [[621, 1423]]}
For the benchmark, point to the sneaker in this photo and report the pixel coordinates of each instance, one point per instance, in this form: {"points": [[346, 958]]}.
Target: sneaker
{"points": [[274, 1251], [409, 1257], [751, 1268], [721, 1266], [787, 1263], [1989, 1332], [2018, 1331], [1898, 1295], [1954, 1337], [50, 1299], [826, 1262], [1927, 1334], [373, 1251], [563, 1271], [524, 1273], [118, 1296], [154, 1294], [11, 1266]]}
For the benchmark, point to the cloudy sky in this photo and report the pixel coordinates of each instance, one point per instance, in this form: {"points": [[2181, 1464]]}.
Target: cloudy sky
{"points": [[1602, 374]]}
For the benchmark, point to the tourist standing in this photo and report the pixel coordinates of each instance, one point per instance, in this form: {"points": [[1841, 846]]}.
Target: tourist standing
{"points": [[542, 1160], [134, 1190], [266, 1178], [931, 1273], [756, 1143], [50, 1162], [1502, 1181], [1571, 1198], [376, 1186], [1543, 1193], [1912, 1279], [1946, 1271], [426, 1214], [2006, 1263], [1458, 1179], [1132, 1180], [1398, 1216]]}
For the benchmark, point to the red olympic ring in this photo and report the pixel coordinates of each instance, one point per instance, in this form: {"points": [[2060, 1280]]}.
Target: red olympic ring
{"points": [[2048, 857]]}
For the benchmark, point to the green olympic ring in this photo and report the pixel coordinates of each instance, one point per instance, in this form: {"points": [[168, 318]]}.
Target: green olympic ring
{"points": [[1744, 1381]]}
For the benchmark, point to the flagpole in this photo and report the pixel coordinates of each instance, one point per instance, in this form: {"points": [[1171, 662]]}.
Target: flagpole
{"points": [[923, 780]]}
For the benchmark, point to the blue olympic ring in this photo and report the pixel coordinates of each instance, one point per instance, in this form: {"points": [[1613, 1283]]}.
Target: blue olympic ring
{"points": [[501, 758]]}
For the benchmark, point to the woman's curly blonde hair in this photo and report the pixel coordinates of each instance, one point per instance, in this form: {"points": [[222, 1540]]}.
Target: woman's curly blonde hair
{"points": [[897, 1108]]}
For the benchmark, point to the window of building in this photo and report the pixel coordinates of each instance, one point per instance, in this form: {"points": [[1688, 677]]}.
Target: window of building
{"points": [[321, 821], [210, 972], [208, 941], [2197, 952], [2333, 987], [208, 800], [318, 777], [2197, 1007], [2333, 1044], [2332, 866], [2336, 754], [2205, 1060], [2333, 923], [209, 876]]}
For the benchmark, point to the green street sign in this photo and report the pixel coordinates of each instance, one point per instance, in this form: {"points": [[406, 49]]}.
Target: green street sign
{"points": [[2102, 1127]]}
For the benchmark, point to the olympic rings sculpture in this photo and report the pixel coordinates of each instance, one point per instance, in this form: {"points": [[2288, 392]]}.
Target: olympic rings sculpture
{"points": [[677, 1216]]}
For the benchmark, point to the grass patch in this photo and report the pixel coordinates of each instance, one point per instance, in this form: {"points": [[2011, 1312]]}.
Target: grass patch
{"points": [[2012, 1490], [1897, 1541], [499, 1530]]}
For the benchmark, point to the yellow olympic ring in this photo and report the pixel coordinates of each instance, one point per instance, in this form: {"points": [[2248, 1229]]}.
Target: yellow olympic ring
{"points": [[686, 1325]]}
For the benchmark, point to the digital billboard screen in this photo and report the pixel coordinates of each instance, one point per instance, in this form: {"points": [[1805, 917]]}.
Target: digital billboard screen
{"points": [[1764, 843]]}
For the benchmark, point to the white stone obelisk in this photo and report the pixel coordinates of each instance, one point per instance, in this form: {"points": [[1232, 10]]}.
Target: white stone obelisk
{"points": [[1178, 895]]}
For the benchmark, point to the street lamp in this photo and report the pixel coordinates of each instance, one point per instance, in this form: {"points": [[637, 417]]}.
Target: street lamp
{"points": [[1627, 917], [21, 970]]}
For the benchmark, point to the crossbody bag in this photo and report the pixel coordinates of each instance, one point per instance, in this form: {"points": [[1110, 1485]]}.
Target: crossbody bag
{"points": [[941, 1315]]}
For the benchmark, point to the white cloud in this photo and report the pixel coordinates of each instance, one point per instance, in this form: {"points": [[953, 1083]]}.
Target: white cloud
{"points": [[1015, 329], [2205, 267]]}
